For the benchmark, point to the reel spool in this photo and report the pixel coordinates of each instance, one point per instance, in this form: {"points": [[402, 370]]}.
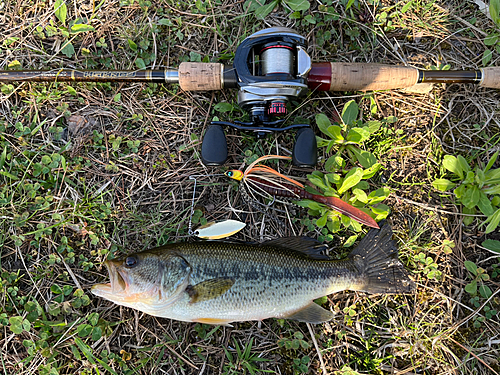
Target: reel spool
{"points": [[270, 70]]}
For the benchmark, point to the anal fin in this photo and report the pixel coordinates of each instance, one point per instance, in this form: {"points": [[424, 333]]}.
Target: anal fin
{"points": [[213, 321], [312, 313]]}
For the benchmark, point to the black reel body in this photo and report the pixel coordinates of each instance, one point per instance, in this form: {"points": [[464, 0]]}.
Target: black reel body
{"points": [[270, 69]]}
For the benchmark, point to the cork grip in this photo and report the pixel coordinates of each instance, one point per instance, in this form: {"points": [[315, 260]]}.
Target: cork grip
{"points": [[365, 77], [200, 76], [491, 77]]}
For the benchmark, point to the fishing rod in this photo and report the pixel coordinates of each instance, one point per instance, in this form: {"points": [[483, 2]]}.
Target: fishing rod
{"points": [[271, 68]]}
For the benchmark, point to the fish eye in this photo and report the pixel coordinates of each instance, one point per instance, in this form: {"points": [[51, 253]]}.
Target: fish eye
{"points": [[131, 262]]}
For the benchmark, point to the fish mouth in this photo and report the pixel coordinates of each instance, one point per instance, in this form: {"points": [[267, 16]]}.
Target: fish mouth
{"points": [[117, 282]]}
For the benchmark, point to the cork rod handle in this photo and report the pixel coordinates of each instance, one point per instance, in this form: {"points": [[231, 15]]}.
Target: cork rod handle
{"points": [[200, 76], [368, 77], [491, 77]]}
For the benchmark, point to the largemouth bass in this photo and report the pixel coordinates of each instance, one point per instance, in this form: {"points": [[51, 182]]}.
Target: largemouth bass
{"points": [[222, 282]]}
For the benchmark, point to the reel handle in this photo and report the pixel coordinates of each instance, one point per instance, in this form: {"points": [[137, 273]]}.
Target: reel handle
{"points": [[369, 77]]}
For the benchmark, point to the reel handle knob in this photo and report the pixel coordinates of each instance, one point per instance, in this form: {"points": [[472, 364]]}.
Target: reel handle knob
{"points": [[305, 149], [214, 146]]}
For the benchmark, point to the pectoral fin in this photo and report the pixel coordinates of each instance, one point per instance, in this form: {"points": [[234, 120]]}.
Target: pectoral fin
{"points": [[209, 289], [312, 313]]}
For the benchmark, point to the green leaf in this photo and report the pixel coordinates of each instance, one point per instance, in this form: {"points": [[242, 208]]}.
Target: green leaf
{"points": [[493, 176], [56, 289], [96, 333], [370, 171], [360, 195], [16, 324], [365, 158], [132, 45], [491, 40], [71, 91], [442, 184], [333, 178], [81, 28], [3, 157], [485, 291], [487, 56], [363, 185], [61, 10], [381, 209], [333, 224], [350, 112], [480, 178], [350, 241], [495, 201], [322, 142], [379, 195], [334, 131], [165, 22], [194, 56], [117, 98], [469, 177], [495, 11], [468, 211], [493, 220], [323, 123], [492, 245], [312, 205], [263, 11], [351, 179], [471, 197], [471, 288], [318, 181], [297, 5], [321, 222], [223, 107], [407, 6], [459, 191], [358, 135], [484, 204], [373, 125], [452, 164], [471, 267], [491, 161], [140, 63], [68, 49], [334, 163]]}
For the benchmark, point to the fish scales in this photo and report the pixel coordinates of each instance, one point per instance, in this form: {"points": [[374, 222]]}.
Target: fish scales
{"points": [[267, 279], [220, 282]]}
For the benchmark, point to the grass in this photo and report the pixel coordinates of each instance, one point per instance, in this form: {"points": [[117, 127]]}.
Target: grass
{"points": [[93, 171]]}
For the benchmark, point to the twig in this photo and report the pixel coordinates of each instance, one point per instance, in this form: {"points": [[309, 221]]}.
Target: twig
{"points": [[433, 208], [320, 356], [475, 356]]}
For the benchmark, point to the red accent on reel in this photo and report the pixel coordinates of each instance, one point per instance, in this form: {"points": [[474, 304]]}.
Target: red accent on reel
{"points": [[277, 109]]}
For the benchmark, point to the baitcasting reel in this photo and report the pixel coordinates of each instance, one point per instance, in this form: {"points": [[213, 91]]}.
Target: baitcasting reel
{"points": [[270, 70]]}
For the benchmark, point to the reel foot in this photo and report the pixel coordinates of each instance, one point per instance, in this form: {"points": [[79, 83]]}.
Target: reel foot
{"points": [[305, 149], [214, 146]]}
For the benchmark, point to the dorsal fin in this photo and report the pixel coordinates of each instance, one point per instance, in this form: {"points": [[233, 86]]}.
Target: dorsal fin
{"points": [[305, 245]]}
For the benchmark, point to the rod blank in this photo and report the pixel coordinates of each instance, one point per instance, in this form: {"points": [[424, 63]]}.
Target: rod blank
{"points": [[323, 76]]}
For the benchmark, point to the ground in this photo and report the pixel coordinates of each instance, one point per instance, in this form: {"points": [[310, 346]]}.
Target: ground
{"points": [[90, 171]]}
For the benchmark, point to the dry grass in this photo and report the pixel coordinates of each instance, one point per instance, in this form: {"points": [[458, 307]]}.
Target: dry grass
{"points": [[148, 191]]}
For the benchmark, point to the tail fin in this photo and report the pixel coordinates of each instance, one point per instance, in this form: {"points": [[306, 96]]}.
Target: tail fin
{"points": [[376, 257]]}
